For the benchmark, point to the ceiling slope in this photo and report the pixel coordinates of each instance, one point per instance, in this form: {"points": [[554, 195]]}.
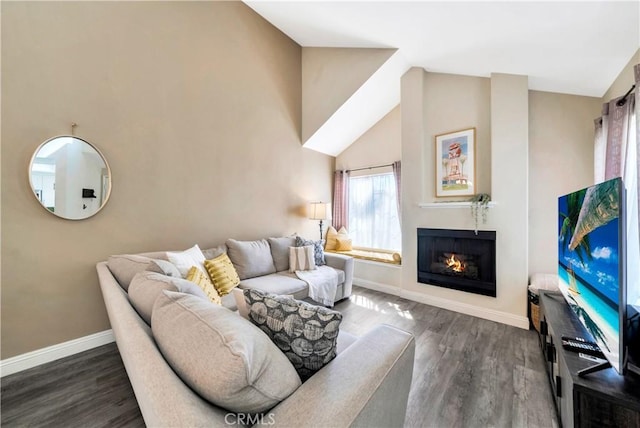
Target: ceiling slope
{"points": [[345, 91], [330, 76]]}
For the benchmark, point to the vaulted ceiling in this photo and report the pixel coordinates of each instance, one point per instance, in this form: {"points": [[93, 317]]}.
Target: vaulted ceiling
{"points": [[568, 47]]}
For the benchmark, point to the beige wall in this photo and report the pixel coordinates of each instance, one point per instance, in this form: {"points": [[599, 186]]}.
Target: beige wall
{"points": [[561, 133], [330, 76], [435, 103], [196, 107], [559, 159], [380, 145]]}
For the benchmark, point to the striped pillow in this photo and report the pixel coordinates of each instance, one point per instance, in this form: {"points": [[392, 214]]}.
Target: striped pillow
{"points": [[301, 258], [195, 275], [222, 273]]}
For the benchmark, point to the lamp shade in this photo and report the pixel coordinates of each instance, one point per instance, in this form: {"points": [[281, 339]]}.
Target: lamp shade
{"points": [[320, 211]]}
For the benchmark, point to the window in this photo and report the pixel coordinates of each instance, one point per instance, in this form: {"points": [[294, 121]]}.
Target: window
{"points": [[373, 212]]}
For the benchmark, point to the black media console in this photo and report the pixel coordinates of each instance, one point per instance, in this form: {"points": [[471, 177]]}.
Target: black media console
{"points": [[599, 399]]}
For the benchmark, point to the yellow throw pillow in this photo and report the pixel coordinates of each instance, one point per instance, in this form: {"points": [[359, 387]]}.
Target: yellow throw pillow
{"points": [[332, 235], [332, 238], [195, 275], [222, 273], [344, 244]]}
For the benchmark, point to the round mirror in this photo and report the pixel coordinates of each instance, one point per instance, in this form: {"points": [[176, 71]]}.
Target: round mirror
{"points": [[70, 177]]}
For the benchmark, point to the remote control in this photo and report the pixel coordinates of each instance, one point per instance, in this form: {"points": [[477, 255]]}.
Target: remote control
{"points": [[577, 344]]}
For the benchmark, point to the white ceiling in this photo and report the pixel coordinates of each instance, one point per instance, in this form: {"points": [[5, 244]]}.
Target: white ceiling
{"points": [[568, 47]]}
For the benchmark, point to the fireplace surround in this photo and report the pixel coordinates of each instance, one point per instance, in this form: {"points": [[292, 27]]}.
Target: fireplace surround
{"points": [[458, 259]]}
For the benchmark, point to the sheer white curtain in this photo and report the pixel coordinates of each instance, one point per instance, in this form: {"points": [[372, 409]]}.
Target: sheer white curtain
{"points": [[616, 154], [373, 212], [633, 224]]}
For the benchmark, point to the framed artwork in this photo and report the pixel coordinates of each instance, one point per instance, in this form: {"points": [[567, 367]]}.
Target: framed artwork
{"points": [[456, 163]]}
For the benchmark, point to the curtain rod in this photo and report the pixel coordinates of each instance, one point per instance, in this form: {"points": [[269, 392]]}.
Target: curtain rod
{"points": [[369, 167], [622, 100]]}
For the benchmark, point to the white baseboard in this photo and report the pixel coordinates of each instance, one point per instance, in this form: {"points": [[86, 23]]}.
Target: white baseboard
{"points": [[55, 352], [476, 311], [378, 286]]}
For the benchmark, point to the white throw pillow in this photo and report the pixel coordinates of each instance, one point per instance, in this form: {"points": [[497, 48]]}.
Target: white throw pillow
{"points": [[301, 258], [183, 260], [543, 281]]}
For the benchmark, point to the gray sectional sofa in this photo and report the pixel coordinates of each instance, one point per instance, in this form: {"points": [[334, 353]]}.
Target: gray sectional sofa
{"points": [[367, 384]]}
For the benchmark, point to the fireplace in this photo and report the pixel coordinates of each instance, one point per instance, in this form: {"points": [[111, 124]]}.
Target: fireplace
{"points": [[458, 259]]}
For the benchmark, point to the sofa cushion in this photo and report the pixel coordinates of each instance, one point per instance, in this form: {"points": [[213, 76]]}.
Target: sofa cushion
{"points": [[251, 258], [202, 280], [318, 247], [307, 334], [222, 273], [184, 260], [125, 266], [146, 286], [164, 267], [229, 302], [278, 283], [280, 251], [220, 355], [301, 258], [212, 253]]}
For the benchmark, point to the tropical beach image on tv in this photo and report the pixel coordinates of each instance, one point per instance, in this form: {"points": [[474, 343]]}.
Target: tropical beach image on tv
{"points": [[589, 261]]}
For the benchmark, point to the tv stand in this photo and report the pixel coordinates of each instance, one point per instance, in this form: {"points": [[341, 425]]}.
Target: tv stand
{"points": [[595, 368], [603, 398]]}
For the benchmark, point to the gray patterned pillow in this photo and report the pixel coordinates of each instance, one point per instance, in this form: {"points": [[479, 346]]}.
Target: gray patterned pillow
{"points": [[307, 334], [318, 249]]}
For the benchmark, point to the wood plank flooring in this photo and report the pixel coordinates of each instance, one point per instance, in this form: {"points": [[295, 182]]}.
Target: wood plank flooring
{"points": [[468, 372]]}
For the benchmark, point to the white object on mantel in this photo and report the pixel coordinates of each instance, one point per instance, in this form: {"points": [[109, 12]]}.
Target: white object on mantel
{"points": [[456, 204]]}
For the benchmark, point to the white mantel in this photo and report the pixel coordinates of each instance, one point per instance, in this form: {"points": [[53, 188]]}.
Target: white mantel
{"points": [[453, 204]]}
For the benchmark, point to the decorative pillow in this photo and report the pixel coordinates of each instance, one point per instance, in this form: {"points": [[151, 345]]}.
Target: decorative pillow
{"points": [[317, 247], [164, 267], [125, 266], [251, 258], [200, 278], [332, 235], [183, 260], [543, 281], [280, 251], [146, 286], [241, 303], [344, 244], [301, 258], [221, 356], [307, 334], [222, 273]]}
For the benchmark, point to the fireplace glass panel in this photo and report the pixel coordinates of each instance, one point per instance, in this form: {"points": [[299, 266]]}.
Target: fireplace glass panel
{"points": [[457, 259]]}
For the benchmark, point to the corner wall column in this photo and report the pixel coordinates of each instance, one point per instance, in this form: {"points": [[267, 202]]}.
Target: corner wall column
{"points": [[510, 186], [413, 138]]}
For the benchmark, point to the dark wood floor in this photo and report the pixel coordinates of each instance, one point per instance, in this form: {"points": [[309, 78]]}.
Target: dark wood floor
{"points": [[468, 373]]}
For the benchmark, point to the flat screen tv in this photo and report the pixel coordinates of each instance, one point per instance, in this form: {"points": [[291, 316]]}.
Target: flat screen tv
{"points": [[591, 263]]}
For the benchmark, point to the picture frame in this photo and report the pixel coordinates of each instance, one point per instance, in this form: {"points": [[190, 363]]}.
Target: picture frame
{"points": [[456, 163]]}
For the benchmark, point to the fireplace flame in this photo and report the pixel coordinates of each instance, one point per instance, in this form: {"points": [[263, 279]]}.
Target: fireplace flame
{"points": [[455, 264]]}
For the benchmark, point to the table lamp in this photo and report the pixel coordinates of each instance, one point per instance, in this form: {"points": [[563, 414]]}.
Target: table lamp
{"points": [[320, 211]]}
